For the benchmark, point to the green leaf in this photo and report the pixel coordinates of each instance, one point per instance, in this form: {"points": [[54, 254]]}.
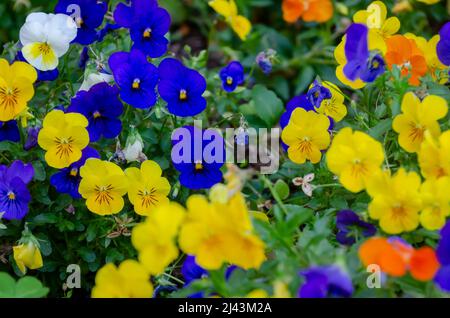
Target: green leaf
{"points": [[267, 105], [282, 189], [87, 254], [7, 286], [39, 171], [30, 287], [381, 128]]}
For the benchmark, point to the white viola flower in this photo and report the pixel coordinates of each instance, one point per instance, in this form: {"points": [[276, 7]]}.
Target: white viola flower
{"points": [[45, 38]]}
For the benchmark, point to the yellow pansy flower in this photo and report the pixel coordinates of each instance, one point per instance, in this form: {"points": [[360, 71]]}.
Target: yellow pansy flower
{"points": [[354, 157], [218, 233], [154, 239], [16, 88], [333, 107], [434, 156], [147, 189], [375, 17], [257, 293], [27, 255], [429, 1], [418, 117], [129, 280], [396, 200], [376, 43], [63, 136], [228, 9], [306, 135], [103, 184], [436, 203]]}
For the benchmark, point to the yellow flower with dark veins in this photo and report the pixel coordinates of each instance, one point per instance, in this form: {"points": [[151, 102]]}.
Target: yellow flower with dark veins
{"points": [[103, 184], [63, 136], [306, 135], [333, 107], [147, 189], [396, 200], [218, 233], [418, 117], [354, 157], [436, 203], [27, 255], [154, 239], [434, 156], [16, 88], [129, 280]]}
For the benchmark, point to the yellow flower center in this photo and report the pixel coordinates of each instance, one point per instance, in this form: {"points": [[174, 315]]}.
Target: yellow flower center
{"points": [[229, 80], [103, 194], [74, 172], [97, 114], [11, 195], [183, 94], [136, 83], [44, 48], [358, 168], [416, 132], [64, 146], [198, 166], [375, 64], [79, 22], [147, 33], [399, 211], [148, 197], [8, 97], [305, 145]]}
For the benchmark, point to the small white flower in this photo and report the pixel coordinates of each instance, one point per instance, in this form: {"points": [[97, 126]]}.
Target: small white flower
{"points": [[45, 38], [95, 78], [134, 146], [304, 182]]}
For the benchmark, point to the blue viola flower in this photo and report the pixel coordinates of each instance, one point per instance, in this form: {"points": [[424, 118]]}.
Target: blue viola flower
{"points": [[198, 156], [32, 137], [347, 222], [136, 78], [442, 277], [361, 64], [87, 14], [325, 281], [14, 194], [9, 131], [443, 46], [317, 93], [182, 88], [67, 180], [102, 107], [232, 76], [148, 25], [43, 76]]}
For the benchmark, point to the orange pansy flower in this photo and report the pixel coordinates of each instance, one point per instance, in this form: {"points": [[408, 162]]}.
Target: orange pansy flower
{"points": [[308, 10], [395, 258], [405, 53]]}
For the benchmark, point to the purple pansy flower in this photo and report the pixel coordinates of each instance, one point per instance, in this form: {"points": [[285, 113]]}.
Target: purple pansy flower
{"points": [[347, 222], [102, 107], [317, 93], [442, 277], [325, 281], [361, 64], [148, 25], [87, 14], [182, 88], [232, 76], [443, 46], [67, 180], [14, 194], [32, 137], [136, 78], [9, 131], [198, 155]]}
